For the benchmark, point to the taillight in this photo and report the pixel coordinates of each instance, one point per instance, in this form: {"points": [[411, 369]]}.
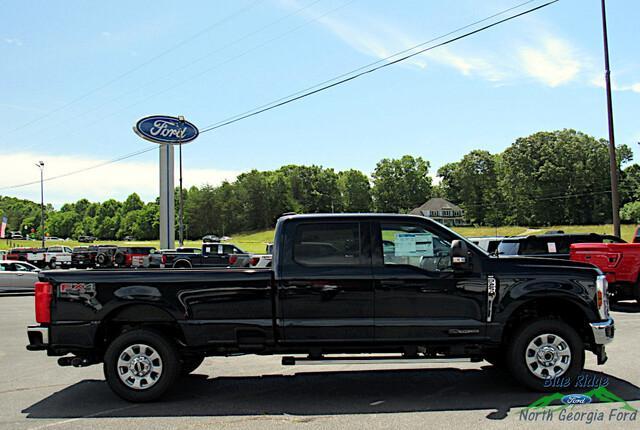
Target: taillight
{"points": [[233, 259], [44, 291], [254, 260], [164, 259]]}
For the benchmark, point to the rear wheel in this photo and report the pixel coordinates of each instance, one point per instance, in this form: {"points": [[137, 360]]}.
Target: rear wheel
{"points": [[141, 365], [545, 349], [182, 264]]}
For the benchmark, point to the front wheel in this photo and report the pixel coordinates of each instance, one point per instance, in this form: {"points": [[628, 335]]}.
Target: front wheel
{"points": [[545, 349], [141, 365]]}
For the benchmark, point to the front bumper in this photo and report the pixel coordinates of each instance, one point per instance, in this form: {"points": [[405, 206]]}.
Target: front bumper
{"points": [[603, 331], [38, 337]]}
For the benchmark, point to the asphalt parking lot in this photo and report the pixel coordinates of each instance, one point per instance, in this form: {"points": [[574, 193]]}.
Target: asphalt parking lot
{"points": [[257, 392]]}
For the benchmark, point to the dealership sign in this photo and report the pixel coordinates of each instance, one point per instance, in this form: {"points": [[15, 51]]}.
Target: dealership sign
{"points": [[166, 129]]}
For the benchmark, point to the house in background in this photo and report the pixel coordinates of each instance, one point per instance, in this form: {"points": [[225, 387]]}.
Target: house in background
{"points": [[442, 211]]}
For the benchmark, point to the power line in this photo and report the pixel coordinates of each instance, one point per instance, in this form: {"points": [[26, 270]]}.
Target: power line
{"points": [[304, 94], [243, 53], [184, 66], [319, 88], [95, 166], [138, 67], [457, 30]]}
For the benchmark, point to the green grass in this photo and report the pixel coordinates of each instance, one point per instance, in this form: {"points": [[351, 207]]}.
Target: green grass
{"points": [[254, 242]]}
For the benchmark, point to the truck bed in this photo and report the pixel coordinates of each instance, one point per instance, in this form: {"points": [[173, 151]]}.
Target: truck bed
{"points": [[212, 306]]}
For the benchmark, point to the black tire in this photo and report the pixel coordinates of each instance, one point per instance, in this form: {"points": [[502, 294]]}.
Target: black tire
{"points": [[189, 364], [101, 259], [119, 258], [52, 263], [518, 349], [156, 386], [182, 264]]}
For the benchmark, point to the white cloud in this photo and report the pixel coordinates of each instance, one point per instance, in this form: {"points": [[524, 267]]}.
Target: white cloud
{"points": [[598, 81], [469, 65], [105, 34], [111, 181], [12, 41], [549, 59], [554, 63]]}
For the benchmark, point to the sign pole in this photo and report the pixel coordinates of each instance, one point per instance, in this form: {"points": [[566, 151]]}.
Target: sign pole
{"points": [[167, 198], [181, 210], [168, 131]]}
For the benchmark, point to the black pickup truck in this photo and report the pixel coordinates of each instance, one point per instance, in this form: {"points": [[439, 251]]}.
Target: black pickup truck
{"points": [[210, 255], [396, 286]]}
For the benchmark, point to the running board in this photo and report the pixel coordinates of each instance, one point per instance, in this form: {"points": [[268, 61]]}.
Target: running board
{"points": [[292, 361]]}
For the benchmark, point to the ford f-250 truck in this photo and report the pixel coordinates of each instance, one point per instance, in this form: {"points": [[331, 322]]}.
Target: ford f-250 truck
{"points": [[397, 286]]}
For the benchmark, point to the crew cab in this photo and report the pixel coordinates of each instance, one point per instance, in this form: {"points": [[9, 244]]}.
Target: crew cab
{"points": [[398, 287], [57, 256], [210, 255]]}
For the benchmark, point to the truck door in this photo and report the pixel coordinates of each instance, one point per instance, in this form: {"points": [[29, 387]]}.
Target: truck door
{"points": [[212, 255], [418, 295], [325, 285]]}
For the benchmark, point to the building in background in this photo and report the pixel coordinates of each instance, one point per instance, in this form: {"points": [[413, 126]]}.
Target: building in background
{"points": [[442, 211]]}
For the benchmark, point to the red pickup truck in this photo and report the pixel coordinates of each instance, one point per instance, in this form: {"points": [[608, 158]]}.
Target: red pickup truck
{"points": [[620, 262]]}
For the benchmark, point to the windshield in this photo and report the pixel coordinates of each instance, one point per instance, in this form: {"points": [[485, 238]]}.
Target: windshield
{"points": [[508, 248], [457, 236]]}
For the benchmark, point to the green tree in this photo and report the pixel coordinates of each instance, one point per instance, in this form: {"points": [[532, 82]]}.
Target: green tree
{"points": [[400, 185], [355, 189], [62, 224], [473, 183], [559, 177], [631, 212]]}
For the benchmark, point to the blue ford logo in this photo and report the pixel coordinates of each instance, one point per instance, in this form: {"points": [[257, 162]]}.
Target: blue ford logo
{"points": [[575, 399], [166, 129]]}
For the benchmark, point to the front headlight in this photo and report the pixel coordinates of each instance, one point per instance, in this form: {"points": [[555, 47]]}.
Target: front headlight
{"points": [[601, 296]]}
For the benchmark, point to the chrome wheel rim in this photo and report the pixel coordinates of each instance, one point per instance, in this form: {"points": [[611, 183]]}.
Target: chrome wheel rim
{"points": [[139, 366], [548, 356]]}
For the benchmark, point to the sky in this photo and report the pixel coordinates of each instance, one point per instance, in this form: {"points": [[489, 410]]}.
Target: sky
{"points": [[76, 75]]}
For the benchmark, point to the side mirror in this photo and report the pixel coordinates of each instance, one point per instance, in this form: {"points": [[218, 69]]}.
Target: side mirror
{"points": [[460, 259]]}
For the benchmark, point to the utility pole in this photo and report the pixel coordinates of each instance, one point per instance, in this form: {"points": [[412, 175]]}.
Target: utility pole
{"points": [[181, 215], [613, 163], [40, 165]]}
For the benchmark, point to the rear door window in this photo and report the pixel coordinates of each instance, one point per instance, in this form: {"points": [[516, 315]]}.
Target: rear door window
{"points": [[330, 244]]}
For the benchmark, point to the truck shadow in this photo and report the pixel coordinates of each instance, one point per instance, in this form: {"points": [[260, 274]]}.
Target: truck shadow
{"points": [[326, 393]]}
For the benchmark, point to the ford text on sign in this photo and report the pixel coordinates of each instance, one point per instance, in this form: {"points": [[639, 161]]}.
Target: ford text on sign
{"points": [[166, 129]]}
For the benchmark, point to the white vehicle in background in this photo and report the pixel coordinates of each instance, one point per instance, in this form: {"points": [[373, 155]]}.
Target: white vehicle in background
{"points": [[260, 261], [17, 276], [57, 256]]}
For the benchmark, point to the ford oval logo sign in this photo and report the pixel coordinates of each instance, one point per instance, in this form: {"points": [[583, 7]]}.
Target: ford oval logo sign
{"points": [[166, 129], [575, 399]]}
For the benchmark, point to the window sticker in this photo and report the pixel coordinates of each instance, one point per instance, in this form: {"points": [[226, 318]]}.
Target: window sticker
{"points": [[414, 245], [551, 247]]}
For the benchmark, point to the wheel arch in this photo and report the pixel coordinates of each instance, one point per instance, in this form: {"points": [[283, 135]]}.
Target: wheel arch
{"points": [[182, 262], [134, 316], [562, 308]]}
